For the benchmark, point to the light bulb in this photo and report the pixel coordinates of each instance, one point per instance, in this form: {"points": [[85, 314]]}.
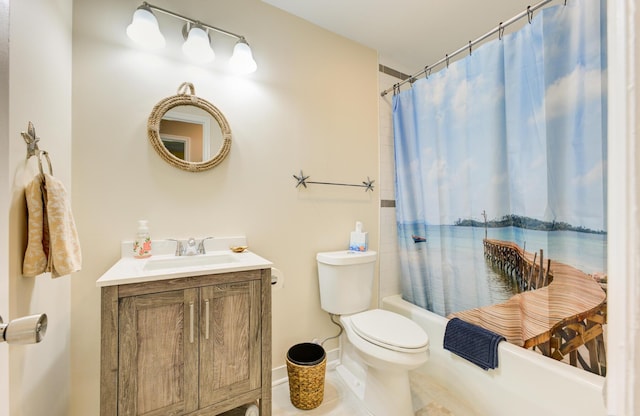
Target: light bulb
{"points": [[197, 46], [242, 61], [144, 29]]}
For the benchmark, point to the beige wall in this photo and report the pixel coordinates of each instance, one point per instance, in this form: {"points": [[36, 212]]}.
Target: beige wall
{"points": [[40, 91], [312, 105]]}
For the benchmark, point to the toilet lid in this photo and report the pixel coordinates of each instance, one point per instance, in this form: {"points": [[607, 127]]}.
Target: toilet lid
{"points": [[390, 330]]}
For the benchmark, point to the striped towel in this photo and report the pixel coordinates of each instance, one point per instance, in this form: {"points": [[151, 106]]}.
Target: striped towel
{"points": [[473, 343]]}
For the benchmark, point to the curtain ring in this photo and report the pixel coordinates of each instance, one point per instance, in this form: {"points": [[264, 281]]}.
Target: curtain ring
{"points": [[470, 46], [446, 57], [426, 71], [500, 31], [565, 2], [529, 14]]}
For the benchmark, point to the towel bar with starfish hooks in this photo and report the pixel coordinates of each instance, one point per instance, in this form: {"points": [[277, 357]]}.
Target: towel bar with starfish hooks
{"points": [[32, 147], [304, 180]]}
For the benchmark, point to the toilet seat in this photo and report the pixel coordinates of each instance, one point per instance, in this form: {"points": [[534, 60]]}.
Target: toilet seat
{"points": [[390, 330]]}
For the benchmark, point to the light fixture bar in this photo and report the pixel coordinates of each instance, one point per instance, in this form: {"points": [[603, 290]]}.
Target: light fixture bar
{"points": [[145, 32], [193, 21]]}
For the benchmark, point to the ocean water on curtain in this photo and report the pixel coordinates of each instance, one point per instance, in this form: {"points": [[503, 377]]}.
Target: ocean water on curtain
{"points": [[514, 131], [452, 261]]}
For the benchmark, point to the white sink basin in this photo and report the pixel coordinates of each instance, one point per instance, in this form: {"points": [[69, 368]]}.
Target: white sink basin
{"points": [[165, 265], [202, 260]]}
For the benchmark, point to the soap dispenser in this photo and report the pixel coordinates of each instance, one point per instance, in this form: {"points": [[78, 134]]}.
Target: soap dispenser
{"points": [[358, 240], [142, 243]]}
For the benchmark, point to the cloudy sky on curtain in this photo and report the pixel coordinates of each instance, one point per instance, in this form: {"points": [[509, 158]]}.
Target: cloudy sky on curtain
{"points": [[515, 130]]}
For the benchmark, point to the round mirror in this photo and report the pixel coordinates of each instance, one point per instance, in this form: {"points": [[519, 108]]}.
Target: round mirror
{"points": [[189, 132]]}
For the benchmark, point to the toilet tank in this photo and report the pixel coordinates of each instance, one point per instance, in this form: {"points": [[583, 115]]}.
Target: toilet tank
{"points": [[346, 280]]}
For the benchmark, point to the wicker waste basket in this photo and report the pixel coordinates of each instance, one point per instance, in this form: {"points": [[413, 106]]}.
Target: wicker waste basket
{"points": [[306, 364]]}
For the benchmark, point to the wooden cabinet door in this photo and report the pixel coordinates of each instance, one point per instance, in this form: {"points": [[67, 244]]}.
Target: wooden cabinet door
{"points": [[158, 357], [230, 341]]}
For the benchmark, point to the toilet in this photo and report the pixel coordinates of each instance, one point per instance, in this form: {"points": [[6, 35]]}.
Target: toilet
{"points": [[380, 347]]}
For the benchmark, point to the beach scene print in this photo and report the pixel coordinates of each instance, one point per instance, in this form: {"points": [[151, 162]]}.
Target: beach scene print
{"points": [[501, 186]]}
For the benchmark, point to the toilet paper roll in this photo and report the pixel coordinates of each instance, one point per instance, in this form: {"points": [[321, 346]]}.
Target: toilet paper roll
{"points": [[277, 279]]}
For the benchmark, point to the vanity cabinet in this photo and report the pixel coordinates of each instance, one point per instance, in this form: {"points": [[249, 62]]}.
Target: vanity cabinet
{"points": [[187, 346]]}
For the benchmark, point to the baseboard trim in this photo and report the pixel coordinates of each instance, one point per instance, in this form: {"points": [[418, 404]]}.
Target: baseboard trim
{"points": [[279, 374]]}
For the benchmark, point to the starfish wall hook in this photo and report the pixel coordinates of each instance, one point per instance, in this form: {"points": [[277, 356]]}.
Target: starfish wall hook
{"points": [[302, 180], [31, 139]]}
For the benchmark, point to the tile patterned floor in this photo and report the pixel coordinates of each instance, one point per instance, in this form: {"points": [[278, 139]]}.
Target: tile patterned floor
{"points": [[430, 399], [338, 400]]}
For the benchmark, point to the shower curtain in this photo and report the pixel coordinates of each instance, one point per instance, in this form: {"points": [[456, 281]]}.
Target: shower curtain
{"points": [[509, 144]]}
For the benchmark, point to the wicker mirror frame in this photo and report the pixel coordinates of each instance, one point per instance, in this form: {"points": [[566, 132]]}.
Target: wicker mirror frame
{"points": [[186, 96]]}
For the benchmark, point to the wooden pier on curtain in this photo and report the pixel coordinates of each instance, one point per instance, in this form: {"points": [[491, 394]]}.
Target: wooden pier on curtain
{"points": [[559, 308]]}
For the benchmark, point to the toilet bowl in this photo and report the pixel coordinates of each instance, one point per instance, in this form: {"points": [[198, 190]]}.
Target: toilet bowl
{"points": [[389, 345], [383, 337], [379, 347]]}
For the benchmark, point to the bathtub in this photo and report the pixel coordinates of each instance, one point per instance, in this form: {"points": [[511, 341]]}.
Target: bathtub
{"points": [[525, 383]]}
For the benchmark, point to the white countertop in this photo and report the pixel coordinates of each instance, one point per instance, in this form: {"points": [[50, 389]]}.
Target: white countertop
{"points": [[131, 270]]}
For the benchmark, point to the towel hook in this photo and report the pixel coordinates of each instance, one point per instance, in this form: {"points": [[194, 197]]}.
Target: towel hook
{"points": [[46, 155], [31, 139]]}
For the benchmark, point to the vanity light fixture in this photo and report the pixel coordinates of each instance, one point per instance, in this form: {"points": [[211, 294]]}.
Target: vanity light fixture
{"points": [[144, 29], [242, 61], [197, 46]]}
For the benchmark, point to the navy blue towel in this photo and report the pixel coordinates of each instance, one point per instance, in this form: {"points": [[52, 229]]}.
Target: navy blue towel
{"points": [[473, 343]]}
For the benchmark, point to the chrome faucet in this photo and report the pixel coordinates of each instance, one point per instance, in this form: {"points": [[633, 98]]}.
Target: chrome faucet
{"points": [[190, 247], [201, 249], [178, 246]]}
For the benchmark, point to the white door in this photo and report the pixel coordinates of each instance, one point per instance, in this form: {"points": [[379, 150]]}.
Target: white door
{"points": [[5, 197]]}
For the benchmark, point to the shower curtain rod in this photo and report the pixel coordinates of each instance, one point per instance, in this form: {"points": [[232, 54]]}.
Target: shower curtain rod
{"points": [[498, 29]]}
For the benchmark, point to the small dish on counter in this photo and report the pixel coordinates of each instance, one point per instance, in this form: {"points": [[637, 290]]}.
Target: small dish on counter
{"points": [[238, 249]]}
